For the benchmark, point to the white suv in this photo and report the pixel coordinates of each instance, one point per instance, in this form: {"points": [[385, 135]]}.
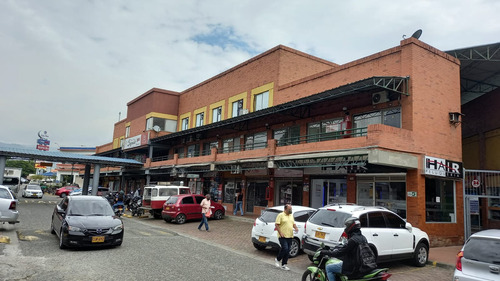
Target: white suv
{"points": [[390, 237]]}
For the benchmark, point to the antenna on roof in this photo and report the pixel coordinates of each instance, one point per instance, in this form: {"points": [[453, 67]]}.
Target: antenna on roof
{"points": [[415, 35]]}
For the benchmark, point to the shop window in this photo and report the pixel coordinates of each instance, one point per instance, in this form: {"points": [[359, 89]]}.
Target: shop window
{"points": [[287, 136], [389, 192], [439, 200], [290, 192], [324, 130]]}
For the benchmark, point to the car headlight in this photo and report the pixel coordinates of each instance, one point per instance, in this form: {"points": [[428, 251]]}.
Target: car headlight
{"points": [[74, 228], [118, 227]]}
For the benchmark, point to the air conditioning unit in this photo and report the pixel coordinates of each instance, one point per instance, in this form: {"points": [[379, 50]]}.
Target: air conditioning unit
{"points": [[380, 97], [244, 111]]}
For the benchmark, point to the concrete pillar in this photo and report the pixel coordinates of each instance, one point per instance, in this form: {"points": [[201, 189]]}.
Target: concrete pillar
{"points": [[95, 180]]}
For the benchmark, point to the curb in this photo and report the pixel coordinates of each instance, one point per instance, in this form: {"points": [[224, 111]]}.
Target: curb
{"points": [[441, 265]]}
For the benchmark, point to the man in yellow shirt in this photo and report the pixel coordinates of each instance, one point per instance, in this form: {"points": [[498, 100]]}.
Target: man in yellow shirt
{"points": [[285, 225]]}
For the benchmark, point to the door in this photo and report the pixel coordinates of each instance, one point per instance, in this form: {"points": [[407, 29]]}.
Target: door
{"points": [[402, 239], [378, 233], [328, 191], [250, 197]]}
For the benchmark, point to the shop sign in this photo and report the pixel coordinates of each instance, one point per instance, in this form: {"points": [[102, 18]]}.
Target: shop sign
{"points": [[284, 173], [475, 183], [135, 141], [192, 176], [442, 168]]}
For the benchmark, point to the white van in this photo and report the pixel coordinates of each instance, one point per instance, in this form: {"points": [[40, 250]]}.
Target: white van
{"points": [[155, 196]]}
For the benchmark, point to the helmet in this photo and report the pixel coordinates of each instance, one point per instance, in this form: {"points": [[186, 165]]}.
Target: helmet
{"points": [[122, 192], [352, 224]]}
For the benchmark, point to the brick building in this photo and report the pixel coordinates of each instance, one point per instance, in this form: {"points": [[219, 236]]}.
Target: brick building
{"points": [[287, 127]]}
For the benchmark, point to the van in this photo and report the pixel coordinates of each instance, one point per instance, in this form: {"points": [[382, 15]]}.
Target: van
{"points": [[155, 196]]}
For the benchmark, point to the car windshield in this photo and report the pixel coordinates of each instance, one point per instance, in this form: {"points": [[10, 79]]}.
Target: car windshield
{"points": [[33, 187], [483, 250], [171, 200], [329, 218], [269, 215], [89, 208]]}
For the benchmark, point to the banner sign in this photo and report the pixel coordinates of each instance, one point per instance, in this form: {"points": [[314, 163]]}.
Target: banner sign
{"points": [[442, 168]]}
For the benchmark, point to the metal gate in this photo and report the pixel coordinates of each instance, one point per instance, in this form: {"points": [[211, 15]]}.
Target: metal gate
{"points": [[481, 200]]}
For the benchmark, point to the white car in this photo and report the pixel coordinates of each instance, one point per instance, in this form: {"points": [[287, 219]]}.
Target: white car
{"points": [[264, 232], [8, 205], [32, 190], [390, 237], [479, 258]]}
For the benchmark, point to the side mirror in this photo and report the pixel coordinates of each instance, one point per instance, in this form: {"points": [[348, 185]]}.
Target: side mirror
{"points": [[408, 226]]}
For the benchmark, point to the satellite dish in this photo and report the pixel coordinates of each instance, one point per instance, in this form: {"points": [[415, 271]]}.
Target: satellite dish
{"points": [[156, 128], [417, 34]]}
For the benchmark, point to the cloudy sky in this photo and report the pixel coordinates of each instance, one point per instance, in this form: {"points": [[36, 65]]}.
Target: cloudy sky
{"points": [[70, 67]]}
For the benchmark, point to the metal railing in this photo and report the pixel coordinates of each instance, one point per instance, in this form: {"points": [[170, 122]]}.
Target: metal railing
{"points": [[357, 132]]}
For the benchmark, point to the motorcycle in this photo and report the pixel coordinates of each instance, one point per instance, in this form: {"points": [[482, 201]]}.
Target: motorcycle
{"points": [[135, 206], [318, 272], [119, 210]]}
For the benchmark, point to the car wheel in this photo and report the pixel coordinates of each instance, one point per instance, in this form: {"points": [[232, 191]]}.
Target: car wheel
{"points": [[63, 195], [421, 255], [259, 246], [294, 248], [180, 219], [218, 215], [61, 242], [157, 215]]}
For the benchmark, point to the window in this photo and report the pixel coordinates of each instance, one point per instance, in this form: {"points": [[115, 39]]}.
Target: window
{"points": [[163, 124], [302, 216], [261, 101], [256, 141], [231, 145], [388, 192], [237, 108], [439, 200], [193, 150], [394, 221], [207, 147], [188, 200], [127, 131], [376, 220], [390, 117], [185, 124], [199, 119], [199, 199], [287, 136], [217, 114], [324, 130]]}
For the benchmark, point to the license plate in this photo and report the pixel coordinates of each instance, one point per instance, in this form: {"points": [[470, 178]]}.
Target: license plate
{"points": [[97, 239], [262, 239], [320, 234], [35, 194]]}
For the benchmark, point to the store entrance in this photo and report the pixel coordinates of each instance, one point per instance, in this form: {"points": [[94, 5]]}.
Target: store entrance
{"points": [[256, 195], [328, 191]]}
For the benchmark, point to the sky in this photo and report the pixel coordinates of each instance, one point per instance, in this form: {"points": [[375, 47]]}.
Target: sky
{"points": [[69, 68]]}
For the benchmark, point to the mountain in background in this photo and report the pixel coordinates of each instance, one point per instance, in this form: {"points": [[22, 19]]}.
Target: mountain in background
{"points": [[17, 145]]}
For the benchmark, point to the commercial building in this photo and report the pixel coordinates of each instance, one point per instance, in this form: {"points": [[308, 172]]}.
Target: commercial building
{"points": [[288, 127]]}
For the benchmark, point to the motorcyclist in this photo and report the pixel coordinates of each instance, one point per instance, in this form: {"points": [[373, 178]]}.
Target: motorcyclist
{"points": [[119, 200], [347, 265]]}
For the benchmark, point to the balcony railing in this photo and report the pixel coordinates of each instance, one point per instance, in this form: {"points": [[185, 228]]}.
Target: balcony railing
{"points": [[357, 132]]}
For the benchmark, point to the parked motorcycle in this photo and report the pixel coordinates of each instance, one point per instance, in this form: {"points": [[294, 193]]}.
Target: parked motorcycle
{"points": [[135, 206], [318, 272]]}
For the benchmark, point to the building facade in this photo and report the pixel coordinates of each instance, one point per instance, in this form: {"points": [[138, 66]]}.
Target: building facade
{"points": [[287, 127]]}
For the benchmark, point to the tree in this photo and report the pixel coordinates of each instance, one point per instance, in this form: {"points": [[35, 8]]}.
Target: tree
{"points": [[28, 166]]}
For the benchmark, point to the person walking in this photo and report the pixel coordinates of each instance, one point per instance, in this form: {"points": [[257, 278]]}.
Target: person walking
{"points": [[205, 212], [285, 225], [239, 203]]}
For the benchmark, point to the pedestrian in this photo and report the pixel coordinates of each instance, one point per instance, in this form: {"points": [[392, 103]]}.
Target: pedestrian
{"points": [[285, 225], [205, 212], [239, 203]]}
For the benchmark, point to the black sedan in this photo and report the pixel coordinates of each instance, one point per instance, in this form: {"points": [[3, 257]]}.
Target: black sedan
{"points": [[86, 221]]}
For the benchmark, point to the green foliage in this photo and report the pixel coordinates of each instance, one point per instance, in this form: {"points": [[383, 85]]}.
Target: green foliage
{"points": [[27, 166]]}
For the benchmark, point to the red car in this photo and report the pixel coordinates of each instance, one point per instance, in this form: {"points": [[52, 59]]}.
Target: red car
{"points": [[185, 207], [65, 190]]}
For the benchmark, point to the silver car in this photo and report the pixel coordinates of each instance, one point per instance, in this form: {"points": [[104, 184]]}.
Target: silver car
{"points": [[8, 204], [479, 258]]}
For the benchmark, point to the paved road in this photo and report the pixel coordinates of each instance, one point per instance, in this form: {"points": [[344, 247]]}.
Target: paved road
{"points": [[148, 240]]}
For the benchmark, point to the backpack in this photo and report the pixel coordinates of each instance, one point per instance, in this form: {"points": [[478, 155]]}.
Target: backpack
{"points": [[366, 258]]}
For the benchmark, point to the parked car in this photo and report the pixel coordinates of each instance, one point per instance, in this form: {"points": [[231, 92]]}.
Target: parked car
{"points": [[32, 190], [76, 192], [86, 221], [479, 258], [65, 190], [185, 207], [8, 205], [390, 237], [264, 232]]}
